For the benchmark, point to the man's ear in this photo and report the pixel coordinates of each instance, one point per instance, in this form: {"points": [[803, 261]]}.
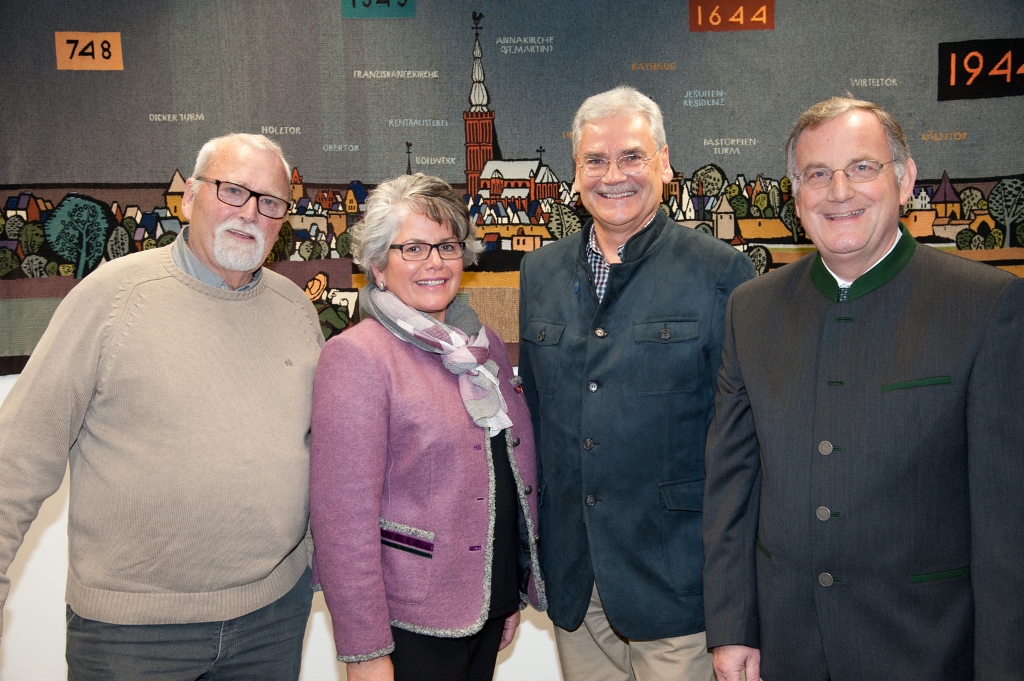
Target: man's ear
{"points": [[907, 183], [187, 198], [666, 166]]}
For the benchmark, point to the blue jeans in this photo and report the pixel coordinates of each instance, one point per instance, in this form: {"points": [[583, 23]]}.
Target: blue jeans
{"points": [[265, 644]]}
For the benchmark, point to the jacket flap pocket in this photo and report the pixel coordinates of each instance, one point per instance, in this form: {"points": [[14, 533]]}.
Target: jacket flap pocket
{"points": [[541, 332], [683, 495], [668, 331], [917, 383]]}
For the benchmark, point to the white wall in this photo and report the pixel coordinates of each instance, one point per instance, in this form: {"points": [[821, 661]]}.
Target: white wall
{"points": [[32, 646]]}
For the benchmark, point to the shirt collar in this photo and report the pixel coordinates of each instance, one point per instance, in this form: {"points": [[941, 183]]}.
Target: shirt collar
{"points": [[846, 284], [881, 273], [188, 263]]}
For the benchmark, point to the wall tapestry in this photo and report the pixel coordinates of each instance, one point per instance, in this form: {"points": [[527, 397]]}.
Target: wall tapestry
{"points": [[107, 103]]}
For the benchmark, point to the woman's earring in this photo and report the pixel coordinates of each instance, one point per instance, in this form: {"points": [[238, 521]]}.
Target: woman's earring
{"points": [[382, 286]]}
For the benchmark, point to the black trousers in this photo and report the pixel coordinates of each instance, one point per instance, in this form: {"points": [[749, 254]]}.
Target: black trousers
{"points": [[418, 657]]}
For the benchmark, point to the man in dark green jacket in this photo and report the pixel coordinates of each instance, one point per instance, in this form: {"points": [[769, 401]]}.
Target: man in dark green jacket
{"points": [[621, 330]]}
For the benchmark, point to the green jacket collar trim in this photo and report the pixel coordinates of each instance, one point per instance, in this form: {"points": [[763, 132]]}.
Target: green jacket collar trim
{"points": [[874, 278]]}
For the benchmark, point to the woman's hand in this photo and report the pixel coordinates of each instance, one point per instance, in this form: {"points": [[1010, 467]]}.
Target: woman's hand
{"points": [[377, 669], [511, 623]]}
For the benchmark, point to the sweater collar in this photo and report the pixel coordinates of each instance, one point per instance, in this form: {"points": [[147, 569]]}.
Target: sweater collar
{"points": [[876, 277]]}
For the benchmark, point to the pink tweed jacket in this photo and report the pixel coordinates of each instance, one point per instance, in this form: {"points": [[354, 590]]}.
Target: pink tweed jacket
{"points": [[402, 492]]}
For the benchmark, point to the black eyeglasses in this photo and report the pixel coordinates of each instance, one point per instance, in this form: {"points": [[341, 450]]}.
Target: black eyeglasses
{"points": [[448, 250], [858, 171], [236, 195]]}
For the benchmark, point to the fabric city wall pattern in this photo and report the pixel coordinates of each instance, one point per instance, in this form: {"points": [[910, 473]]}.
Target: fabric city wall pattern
{"points": [[107, 104]]}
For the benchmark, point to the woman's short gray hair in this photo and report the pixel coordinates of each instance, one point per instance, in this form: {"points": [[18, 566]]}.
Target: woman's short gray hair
{"points": [[390, 203], [833, 108], [623, 100]]}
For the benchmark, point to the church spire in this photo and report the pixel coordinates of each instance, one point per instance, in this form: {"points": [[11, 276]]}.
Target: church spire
{"points": [[478, 98]]}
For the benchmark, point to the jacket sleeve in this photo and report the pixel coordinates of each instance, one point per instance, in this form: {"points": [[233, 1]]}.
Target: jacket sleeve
{"points": [[995, 439], [41, 418], [738, 270], [529, 384], [348, 456], [731, 497]]}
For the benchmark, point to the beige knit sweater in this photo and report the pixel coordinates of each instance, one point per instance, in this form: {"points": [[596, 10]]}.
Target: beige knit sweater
{"points": [[184, 411]]}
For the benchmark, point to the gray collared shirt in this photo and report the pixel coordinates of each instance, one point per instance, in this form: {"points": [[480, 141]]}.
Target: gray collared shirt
{"points": [[187, 261]]}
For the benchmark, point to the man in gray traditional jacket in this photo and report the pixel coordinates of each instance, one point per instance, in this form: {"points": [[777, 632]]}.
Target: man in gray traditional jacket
{"points": [[621, 329], [864, 514]]}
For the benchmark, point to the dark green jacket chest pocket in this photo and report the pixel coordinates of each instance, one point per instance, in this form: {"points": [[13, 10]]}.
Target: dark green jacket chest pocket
{"points": [[541, 339], [667, 357]]}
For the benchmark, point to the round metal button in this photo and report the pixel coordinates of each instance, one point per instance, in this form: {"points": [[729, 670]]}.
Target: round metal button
{"points": [[825, 579], [592, 386], [515, 442], [529, 488], [591, 500], [823, 513], [588, 444], [665, 334], [825, 447], [600, 333], [540, 336]]}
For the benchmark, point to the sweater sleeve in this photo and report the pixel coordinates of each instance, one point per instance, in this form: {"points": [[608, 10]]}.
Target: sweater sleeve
{"points": [[348, 456], [41, 418]]}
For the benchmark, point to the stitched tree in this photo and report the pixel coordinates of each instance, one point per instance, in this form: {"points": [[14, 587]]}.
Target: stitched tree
{"points": [[790, 219], [31, 238], [8, 262], [708, 180], [119, 244], [34, 266], [343, 245], [969, 198], [563, 221], [78, 230], [1006, 205]]}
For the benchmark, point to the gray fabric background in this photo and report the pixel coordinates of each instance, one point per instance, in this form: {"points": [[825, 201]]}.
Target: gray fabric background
{"points": [[245, 64]]}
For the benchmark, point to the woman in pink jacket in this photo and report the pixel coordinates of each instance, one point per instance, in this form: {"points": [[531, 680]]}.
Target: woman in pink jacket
{"points": [[423, 498]]}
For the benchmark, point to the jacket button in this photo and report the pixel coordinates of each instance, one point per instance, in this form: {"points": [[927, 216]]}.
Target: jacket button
{"points": [[825, 447], [592, 386], [600, 333], [591, 500], [540, 336], [823, 513], [529, 489], [515, 442], [825, 579], [665, 334], [588, 444]]}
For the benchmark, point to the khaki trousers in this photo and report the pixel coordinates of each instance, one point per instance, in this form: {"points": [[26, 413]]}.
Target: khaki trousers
{"points": [[596, 652]]}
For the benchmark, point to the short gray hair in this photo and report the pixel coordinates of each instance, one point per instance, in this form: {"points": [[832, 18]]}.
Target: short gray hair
{"points": [[833, 108], [390, 203], [210, 150], [623, 100]]}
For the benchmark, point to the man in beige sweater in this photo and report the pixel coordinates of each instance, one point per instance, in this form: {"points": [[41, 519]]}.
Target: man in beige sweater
{"points": [[177, 383]]}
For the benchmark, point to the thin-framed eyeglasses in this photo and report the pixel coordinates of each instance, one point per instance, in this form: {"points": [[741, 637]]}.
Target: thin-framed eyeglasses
{"points": [[858, 171], [236, 195], [417, 250], [629, 164]]}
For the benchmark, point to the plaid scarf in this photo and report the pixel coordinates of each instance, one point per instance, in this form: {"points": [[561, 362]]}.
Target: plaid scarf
{"points": [[465, 355]]}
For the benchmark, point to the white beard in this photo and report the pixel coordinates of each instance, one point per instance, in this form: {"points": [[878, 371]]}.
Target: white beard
{"points": [[235, 255]]}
